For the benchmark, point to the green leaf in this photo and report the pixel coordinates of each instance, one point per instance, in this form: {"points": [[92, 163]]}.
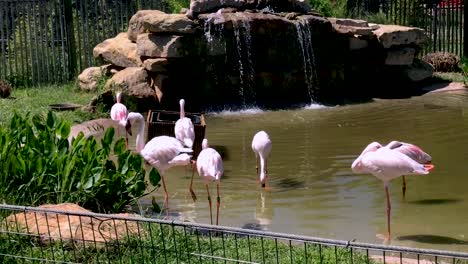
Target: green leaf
{"points": [[50, 119], [108, 137], [38, 123], [119, 146], [64, 129], [154, 177]]}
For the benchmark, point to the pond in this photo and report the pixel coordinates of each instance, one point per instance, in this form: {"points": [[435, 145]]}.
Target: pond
{"points": [[313, 190]]}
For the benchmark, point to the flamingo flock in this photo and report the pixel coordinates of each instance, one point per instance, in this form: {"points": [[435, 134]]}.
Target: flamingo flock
{"points": [[163, 152]]}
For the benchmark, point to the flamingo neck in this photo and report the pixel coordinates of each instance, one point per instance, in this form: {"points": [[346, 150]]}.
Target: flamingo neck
{"points": [[263, 175], [140, 138], [182, 110], [118, 97]]}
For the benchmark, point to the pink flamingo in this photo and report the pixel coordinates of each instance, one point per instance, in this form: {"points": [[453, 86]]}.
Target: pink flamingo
{"points": [[386, 164], [261, 146], [210, 166], [412, 151], [161, 152], [119, 113], [183, 129]]}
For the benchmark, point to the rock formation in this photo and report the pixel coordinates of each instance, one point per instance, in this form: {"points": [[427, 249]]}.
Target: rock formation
{"points": [[268, 53]]}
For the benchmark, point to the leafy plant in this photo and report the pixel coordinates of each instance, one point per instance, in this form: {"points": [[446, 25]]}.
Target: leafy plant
{"points": [[40, 165]]}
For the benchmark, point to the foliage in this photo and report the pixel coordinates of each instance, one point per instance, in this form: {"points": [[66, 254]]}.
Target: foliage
{"points": [[171, 244], [329, 8], [41, 166], [176, 5], [443, 61]]}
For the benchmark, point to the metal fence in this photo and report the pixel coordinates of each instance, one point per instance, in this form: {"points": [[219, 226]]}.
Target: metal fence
{"points": [[443, 20], [36, 234], [44, 41]]}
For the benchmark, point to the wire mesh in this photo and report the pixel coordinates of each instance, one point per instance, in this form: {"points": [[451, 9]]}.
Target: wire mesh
{"points": [[41, 234]]}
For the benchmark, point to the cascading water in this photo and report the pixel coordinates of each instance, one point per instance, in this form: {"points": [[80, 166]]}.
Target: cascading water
{"points": [[308, 57], [246, 71]]}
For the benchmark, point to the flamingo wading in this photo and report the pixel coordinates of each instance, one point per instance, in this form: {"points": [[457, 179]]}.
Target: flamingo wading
{"points": [[162, 152], [412, 151], [183, 129], [261, 146], [386, 164], [209, 166]]}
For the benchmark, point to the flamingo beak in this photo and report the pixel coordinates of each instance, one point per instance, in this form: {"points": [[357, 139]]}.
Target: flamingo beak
{"points": [[263, 185], [128, 128]]}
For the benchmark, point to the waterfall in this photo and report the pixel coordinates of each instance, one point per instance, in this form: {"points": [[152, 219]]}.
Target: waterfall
{"points": [[244, 53], [308, 57]]}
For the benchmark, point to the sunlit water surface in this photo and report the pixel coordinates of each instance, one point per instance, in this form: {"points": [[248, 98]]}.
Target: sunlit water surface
{"points": [[313, 190]]}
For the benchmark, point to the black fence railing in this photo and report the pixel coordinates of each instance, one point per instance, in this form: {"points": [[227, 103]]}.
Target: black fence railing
{"points": [[49, 235], [44, 41], [443, 20]]}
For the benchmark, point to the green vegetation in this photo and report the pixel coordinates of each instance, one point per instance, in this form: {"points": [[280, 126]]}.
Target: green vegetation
{"points": [[171, 244], [36, 100], [40, 166]]}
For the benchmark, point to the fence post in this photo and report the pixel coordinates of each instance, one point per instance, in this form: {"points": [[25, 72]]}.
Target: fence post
{"points": [[465, 28], [70, 39]]}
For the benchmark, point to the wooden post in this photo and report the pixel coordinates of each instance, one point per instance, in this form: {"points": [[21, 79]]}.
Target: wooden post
{"points": [[465, 28], [71, 45]]}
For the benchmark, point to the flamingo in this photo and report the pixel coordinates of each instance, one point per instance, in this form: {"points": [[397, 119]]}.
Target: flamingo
{"points": [[386, 164], [119, 113], [162, 152], [210, 166], [183, 129], [261, 146], [412, 151]]}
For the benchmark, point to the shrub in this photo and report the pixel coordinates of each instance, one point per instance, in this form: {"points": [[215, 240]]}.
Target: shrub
{"points": [[40, 166], [443, 61]]}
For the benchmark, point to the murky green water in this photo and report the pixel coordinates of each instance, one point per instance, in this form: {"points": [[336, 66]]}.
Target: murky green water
{"points": [[315, 192]]}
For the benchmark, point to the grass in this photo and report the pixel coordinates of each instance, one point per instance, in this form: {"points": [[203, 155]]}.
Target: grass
{"points": [[37, 100], [171, 244]]}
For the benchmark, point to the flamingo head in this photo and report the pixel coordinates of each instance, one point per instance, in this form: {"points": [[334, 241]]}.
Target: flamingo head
{"points": [[357, 165], [182, 103], [128, 127], [263, 179], [205, 143]]}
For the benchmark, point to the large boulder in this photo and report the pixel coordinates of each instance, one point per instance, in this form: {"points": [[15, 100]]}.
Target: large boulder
{"points": [[168, 23], [394, 35], [119, 51], [156, 65], [135, 84], [419, 70], [163, 46], [135, 25], [89, 77]]}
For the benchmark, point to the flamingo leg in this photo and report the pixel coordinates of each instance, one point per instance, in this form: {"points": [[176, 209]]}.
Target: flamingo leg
{"points": [[256, 164], [194, 197], [404, 186], [209, 202], [389, 207], [218, 203], [166, 197]]}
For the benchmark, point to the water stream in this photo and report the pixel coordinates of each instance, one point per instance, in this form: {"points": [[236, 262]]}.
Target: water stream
{"points": [[308, 57]]}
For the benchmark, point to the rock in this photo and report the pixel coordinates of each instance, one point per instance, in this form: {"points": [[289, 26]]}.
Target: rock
{"points": [[89, 77], [352, 31], [208, 6], [393, 35], [158, 86], [167, 23], [134, 83], [348, 22], [318, 25], [135, 25], [119, 51], [402, 56], [357, 43], [153, 45], [419, 70], [155, 65], [83, 231]]}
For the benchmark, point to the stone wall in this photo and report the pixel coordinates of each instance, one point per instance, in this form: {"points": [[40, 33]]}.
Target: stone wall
{"points": [[216, 55]]}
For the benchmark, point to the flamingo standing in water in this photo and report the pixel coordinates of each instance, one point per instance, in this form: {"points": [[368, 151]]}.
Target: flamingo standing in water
{"points": [[119, 113], [261, 146], [183, 129], [412, 151], [386, 164], [161, 152], [210, 166]]}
